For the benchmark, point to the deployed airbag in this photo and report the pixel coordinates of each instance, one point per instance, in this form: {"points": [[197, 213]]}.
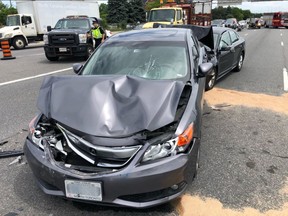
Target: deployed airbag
{"points": [[109, 106]]}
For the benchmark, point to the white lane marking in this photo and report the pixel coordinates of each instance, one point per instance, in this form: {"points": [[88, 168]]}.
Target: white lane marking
{"points": [[34, 77], [281, 34], [282, 44], [285, 79], [30, 55], [246, 34]]}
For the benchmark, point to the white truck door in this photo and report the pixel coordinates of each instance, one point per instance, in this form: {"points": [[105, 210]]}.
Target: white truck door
{"points": [[28, 26]]}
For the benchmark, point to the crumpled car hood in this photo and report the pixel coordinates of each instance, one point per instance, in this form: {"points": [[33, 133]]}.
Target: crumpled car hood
{"points": [[110, 106]]}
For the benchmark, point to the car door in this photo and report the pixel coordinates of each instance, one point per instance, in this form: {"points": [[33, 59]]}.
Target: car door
{"points": [[28, 26], [225, 55], [236, 45]]}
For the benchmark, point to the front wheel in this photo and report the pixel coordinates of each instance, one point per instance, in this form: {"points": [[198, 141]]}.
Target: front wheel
{"points": [[89, 51], [19, 43], [240, 63], [52, 58], [211, 80]]}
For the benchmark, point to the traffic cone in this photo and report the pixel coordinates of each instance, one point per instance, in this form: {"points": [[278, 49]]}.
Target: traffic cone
{"points": [[6, 50]]}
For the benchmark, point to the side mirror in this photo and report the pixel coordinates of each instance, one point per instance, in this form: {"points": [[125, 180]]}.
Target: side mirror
{"points": [[205, 69], [49, 28], [172, 21], [77, 67]]}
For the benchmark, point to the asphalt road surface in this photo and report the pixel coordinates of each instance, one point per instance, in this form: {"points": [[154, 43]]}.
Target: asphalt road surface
{"points": [[244, 149]]}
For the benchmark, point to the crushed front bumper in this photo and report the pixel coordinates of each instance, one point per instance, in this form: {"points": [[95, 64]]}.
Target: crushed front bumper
{"points": [[135, 185]]}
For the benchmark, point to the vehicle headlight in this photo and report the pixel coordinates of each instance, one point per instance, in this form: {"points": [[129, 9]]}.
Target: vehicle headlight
{"points": [[45, 39], [170, 147], [8, 35], [82, 38]]}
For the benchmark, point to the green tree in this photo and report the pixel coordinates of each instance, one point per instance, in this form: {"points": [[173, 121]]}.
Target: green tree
{"points": [[237, 13], [152, 4], [246, 14], [4, 11], [103, 8], [231, 12], [117, 11], [136, 11]]}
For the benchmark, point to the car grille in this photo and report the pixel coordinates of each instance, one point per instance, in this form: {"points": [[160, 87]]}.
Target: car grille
{"points": [[106, 157], [63, 39]]}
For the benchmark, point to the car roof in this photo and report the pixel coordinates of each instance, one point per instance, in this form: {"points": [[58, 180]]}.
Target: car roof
{"points": [[157, 34], [220, 30]]}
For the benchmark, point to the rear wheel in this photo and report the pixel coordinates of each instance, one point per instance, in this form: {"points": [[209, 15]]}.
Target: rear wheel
{"points": [[19, 43], [240, 63], [211, 80]]}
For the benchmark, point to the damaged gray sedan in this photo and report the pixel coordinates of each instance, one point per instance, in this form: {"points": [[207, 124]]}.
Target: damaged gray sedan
{"points": [[125, 131]]}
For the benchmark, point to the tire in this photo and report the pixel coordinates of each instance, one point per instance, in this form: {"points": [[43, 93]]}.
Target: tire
{"points": [[211, 80], [239, 63], [90, 50], [52, 58], [19, 43]]}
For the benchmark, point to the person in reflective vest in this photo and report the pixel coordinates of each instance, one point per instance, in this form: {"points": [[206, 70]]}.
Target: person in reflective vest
{"points": [[98, 33]]}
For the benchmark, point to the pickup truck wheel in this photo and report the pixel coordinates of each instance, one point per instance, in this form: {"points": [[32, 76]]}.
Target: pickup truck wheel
{"points": [[90, 50], [19, 43], [52, 58]]}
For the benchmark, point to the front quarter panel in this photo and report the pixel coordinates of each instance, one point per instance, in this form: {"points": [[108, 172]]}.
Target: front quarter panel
{"points": [[193, 111]]}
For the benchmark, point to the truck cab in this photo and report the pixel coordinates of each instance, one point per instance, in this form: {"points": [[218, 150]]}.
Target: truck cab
{"points": [[165, 15], [69, 37], [19, 29]]}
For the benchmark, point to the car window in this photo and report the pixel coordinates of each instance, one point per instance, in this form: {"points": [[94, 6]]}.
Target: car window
{"points": [[234, 36], [215, 38], [178, 14], [225, 40], [150, 60]]}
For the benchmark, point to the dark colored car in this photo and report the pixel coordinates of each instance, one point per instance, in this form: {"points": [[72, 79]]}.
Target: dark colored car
{"points": [[126, 130], [228, 54]]}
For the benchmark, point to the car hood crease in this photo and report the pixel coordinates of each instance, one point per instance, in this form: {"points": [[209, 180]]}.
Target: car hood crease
{"points": [[110, 106]]}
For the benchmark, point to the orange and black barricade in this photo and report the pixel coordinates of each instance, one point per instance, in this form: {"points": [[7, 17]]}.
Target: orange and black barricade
{"points": [[6, 50]]}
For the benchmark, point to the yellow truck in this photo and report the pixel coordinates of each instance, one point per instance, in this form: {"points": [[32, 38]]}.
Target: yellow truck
{"points": [[179, 13]]}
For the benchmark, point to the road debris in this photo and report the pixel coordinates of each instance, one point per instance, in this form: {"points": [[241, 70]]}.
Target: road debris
{"points": [[13, 153], [218, 107], [3, 142], [17, 160]]}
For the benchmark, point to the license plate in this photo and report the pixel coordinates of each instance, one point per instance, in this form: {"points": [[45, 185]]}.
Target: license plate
{"points": [[83, 190], [63, 49]]}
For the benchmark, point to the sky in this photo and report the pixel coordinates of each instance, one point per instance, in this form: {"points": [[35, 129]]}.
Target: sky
{"points": [[261, 7]]}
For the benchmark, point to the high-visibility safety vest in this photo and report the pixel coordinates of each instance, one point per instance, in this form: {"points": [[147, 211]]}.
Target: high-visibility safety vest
{"points": [[96, 33]]}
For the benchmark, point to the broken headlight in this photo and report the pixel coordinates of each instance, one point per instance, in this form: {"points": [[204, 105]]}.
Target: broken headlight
{"points": [[170, 147], [160, 150]]}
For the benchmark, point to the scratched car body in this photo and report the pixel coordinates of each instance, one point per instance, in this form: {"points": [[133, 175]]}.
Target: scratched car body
{"points": [[125, 130]]}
